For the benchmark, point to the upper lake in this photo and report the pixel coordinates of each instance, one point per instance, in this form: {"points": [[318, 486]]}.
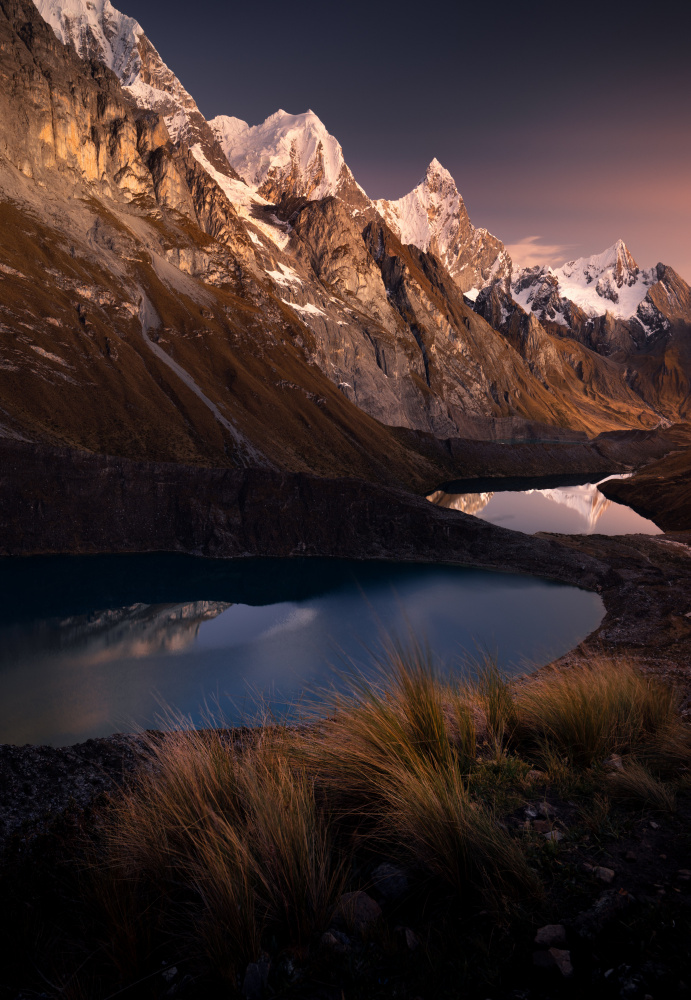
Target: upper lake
{"points": [[94, 645], [569, 505]]}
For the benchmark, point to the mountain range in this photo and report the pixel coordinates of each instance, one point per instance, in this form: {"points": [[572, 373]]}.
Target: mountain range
{"points": [[216, 293]]}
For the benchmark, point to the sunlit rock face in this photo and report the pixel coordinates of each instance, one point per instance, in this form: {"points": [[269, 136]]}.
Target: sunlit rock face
{"points": [[97, 31]]}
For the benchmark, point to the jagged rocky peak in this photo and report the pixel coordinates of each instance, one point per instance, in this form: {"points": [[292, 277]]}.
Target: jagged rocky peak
{"points": [[287, 155], [608, 282], [433, 217]]}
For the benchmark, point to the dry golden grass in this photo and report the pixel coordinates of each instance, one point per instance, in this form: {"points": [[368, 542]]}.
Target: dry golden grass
{"points": [[244, 839], [586, 714], [635, 784], [234, 832]]}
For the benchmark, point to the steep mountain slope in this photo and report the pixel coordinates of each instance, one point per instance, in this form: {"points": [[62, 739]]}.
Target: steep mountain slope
{"points": [[154, 306], [97, 31], [294, 156], [136, 318], [433, 218]]}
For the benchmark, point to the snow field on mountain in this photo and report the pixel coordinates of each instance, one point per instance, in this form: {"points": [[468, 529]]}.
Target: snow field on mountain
{"points": [[430, 211], [280, 144], [97, 25]]}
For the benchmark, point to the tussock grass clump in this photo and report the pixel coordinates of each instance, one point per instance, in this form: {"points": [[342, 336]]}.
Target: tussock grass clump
{"points": [[589, 713], [636, 785], [235, 834], [397, 755], [428, 813]]}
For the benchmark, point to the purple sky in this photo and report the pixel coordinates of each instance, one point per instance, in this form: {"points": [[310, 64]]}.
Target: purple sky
{"points": [[566, 126]]}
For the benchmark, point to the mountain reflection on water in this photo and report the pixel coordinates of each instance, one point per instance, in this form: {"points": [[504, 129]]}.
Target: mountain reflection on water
{"points": [[556, 504], [95, 645]]}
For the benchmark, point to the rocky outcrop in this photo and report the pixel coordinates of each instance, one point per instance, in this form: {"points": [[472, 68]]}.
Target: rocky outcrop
{"points": [[661, 490], [98, 32]]}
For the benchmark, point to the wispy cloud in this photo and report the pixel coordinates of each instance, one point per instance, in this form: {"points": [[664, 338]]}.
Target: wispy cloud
{"points": [[530, 251]]}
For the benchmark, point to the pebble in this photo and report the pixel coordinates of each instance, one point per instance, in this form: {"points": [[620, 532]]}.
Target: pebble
{"points": [[256, 977], [555, 958], [604, 874], [336, 942]]}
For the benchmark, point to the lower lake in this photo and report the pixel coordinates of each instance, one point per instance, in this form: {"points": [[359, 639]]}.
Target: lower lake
{"points": [[94, 645]]}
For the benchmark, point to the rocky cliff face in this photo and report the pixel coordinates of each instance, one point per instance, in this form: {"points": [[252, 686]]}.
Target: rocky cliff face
{"points": [[98, 32]]}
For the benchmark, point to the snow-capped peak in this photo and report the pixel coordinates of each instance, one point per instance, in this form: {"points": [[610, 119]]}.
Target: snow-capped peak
{"points": [[96, 30], [429, 213], [433, 217], [608, 282], [286, 154]]}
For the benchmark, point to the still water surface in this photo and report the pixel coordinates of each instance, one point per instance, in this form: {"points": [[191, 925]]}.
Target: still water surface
{"points": [[95, 645], [565, 504]]}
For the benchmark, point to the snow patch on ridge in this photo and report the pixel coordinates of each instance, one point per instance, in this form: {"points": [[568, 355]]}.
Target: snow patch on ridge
{"points": [[430, 211], [243, 200], [433, 217]]}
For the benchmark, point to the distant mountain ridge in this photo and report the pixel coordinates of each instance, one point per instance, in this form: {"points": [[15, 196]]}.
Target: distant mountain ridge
{"points": [[605, 290]]}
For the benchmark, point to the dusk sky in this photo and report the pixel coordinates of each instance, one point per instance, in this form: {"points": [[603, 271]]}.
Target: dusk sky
{"points": [[565, 126]]}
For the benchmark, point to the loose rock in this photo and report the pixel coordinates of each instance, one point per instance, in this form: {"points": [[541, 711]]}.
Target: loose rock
{"points": [[356, 911], [551, 936], [256, 978], [562, 960], [336, 942]]}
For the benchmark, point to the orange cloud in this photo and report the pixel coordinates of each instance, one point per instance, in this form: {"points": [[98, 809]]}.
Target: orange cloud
{"points": [[529, 251]]}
